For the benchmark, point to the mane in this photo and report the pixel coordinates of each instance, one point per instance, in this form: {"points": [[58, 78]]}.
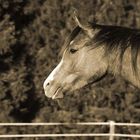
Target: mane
{"points": [[118, 38]]}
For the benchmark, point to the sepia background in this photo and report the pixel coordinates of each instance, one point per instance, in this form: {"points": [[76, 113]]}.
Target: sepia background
{"points": [[32, 33]]}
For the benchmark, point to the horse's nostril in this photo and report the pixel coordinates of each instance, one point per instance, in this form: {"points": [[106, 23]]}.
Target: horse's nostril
{"points": [[46, 85]]}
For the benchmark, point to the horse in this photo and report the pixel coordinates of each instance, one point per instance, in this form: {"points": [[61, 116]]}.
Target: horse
{"points": [[92, 51]]}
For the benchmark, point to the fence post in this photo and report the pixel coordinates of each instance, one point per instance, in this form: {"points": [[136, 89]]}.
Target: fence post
{"points": [[112, 130]]}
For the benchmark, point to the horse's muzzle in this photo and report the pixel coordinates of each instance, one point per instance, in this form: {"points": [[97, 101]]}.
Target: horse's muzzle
{"points": [[52, 90]]}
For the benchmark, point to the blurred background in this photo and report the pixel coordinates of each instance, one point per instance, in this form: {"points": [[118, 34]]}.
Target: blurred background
{"points": [[32, 33]]}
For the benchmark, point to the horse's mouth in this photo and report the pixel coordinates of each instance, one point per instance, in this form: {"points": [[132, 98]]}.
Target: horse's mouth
{"points": [[58, 93]]}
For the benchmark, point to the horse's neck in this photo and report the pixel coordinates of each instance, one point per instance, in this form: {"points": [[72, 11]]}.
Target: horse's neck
{"points": [[127, 71]]}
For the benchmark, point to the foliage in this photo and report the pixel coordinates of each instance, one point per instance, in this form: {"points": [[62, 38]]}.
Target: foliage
{"points": [[31, 36]]}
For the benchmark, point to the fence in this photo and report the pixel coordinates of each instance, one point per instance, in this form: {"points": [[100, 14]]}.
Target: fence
{"points": [[111, 133]]}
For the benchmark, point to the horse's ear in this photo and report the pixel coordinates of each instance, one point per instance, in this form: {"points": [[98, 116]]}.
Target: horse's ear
{"points": [[86, 27]]}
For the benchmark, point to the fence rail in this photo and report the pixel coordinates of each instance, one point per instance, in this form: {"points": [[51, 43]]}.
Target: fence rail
{"points": [[111, 133]]}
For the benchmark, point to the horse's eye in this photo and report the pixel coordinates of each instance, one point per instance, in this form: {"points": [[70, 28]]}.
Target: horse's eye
{"points": [[73, 51]]}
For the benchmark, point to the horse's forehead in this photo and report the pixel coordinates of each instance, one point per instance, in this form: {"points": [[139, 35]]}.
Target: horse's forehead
{"points": [[76, 39], [79, 39]]}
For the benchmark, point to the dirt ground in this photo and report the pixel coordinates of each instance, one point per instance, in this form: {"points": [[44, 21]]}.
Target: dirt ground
{"points": [[31, 35]]}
